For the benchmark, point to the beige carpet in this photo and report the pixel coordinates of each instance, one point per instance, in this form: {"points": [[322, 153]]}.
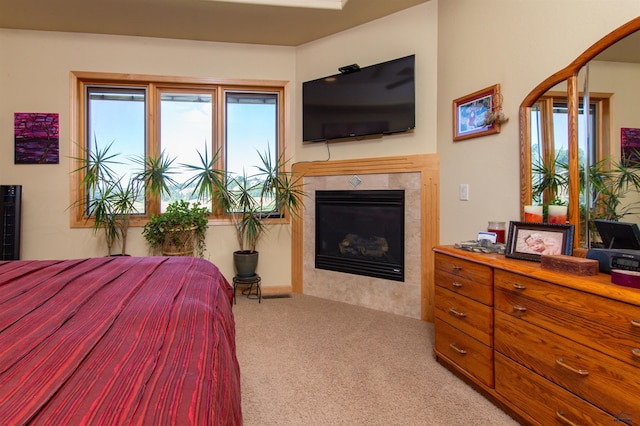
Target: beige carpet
{"points": [[310, 361]]}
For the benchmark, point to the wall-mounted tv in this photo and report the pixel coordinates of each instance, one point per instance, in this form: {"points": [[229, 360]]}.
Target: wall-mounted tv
{"points": [[377, 99]]}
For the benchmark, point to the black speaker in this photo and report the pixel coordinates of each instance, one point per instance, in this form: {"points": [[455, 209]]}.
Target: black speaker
{"points": [[10, 206]]}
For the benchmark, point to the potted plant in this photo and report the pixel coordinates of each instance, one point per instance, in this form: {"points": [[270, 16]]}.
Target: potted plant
{"points": [[609, 180], [254, 202], [179, 231], [251, 202], [109, 199]]}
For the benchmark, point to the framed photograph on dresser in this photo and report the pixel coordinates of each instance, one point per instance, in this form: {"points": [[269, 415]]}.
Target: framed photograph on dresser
{"points": [[529, 240]]}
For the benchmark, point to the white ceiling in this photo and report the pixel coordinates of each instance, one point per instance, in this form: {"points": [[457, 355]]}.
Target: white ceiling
{"points": [[241, 21]]}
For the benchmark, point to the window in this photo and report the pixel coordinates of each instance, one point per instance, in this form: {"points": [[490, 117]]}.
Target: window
{"points": [[244, 141], [142, 116], [549, 138], [125, 106], [186, 128]]}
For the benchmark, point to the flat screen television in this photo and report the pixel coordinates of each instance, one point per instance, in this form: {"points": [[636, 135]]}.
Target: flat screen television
{"points": [[377, 99], [618, 235]]}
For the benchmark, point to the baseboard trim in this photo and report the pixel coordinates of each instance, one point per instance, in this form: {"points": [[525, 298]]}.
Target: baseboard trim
{"points": [[276, 291]]}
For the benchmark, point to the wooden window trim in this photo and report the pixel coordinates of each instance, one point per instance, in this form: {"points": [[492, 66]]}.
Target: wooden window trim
{"points": [[77, 127]]}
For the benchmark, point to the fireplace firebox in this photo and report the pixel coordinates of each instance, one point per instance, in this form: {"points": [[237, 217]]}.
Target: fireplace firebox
{"points": [[361, 232]]}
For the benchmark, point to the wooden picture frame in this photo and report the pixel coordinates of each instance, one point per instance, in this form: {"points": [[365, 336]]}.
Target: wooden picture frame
{"points": [[470, 111], [530, 240]]}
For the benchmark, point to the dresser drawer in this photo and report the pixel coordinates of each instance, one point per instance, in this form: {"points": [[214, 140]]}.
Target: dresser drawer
{"points": [[471, 317], [479, 292], [618, 315], [611, 384], [591, 320], [471, 355], [549, 404], [467, 278]]}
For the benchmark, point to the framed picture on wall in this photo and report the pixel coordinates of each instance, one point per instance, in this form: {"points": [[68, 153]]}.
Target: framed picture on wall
{"points": [[36, 138], [630, 147], [470, 114]]}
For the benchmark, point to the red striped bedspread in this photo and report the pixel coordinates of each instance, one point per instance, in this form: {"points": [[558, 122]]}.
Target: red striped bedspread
{"points": [[117, 341]]}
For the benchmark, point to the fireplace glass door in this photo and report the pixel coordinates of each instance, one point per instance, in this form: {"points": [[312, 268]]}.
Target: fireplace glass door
{"points": [[361, 232]]}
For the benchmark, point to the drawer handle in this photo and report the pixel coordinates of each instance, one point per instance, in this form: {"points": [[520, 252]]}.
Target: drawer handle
{"points": [[456, 284], [457, 349], [456, 313], [519, 286], [563, 419], [519, 308], [635, 323], [578, 371], [635, 352], [457, 268]]}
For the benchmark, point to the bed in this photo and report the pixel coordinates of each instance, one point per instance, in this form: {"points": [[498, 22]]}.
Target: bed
{"points": [[117, 340]]}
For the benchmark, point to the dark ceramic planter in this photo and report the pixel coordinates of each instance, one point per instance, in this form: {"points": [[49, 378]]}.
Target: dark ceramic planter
{"points": [[245, 262]]}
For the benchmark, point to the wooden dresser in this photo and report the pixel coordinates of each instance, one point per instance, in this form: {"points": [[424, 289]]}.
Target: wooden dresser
{"points": [[550, 347]]}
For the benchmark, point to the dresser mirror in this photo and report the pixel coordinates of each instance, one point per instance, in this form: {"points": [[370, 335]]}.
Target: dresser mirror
{"points": [[557, 138]]}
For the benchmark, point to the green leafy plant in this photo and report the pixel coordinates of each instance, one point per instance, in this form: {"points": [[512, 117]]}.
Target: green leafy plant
{"points": [[181, 229], [550, 181], [610, 186], [610, 181]]}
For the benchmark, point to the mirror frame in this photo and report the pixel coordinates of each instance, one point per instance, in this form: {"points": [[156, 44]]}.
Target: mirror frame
{"points": [[570, 75]]}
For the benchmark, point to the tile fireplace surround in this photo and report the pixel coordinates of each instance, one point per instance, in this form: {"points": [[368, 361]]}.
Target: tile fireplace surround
{"points": [[419, 176]]}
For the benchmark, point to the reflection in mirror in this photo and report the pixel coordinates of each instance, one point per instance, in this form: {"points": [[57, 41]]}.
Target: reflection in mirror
{"points": [[557, 138], [550, 146]]}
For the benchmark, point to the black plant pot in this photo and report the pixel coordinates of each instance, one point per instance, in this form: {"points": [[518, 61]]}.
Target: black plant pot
{"points": [[245, 262]]}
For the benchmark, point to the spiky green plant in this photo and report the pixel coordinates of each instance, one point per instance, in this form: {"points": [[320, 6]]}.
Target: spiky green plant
{"points": [[208, 181], [610, 181], [249, 201], [111, 200], [273, 192]]}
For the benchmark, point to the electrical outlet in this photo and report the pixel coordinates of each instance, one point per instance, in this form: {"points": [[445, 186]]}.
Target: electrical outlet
{"points": [[464, 192]]}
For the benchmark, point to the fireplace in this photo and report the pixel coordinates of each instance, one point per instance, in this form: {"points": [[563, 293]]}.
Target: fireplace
{"points": [[361, 232]]}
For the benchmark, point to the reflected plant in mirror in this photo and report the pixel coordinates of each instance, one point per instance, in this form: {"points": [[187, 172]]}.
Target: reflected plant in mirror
{"points": [[557, 131], [550, 180], [610, 182]]}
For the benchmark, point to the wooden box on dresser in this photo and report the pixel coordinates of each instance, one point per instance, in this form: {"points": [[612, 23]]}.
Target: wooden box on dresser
{"points": [[550, 347]]}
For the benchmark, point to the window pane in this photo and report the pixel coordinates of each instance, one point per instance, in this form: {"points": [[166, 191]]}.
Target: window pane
{"points": [[561, 132], [117, 116], [185, 128], [560, 127], [536, 135], [251, 128]]}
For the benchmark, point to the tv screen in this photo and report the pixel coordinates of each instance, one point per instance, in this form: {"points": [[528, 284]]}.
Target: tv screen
{"points": [[373, 100]]}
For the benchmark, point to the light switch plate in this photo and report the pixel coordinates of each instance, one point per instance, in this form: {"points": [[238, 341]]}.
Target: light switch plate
{"points": [[464, 192]]}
